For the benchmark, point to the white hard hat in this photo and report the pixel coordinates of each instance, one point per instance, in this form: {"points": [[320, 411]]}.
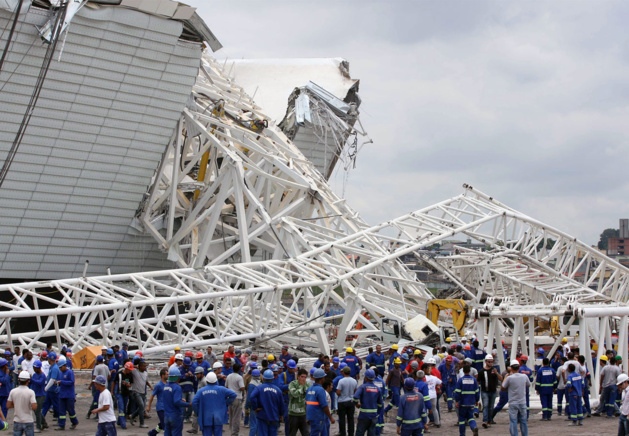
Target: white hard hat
{"points": [[622, 378], [211, 377], [24, 375], [489, 357], [178, 357], [463, 339], [431, 361], [515, 363], [217, 365]]}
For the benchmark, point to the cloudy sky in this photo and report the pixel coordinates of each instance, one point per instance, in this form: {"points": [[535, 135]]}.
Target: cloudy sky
{"points": [[526, 102]]}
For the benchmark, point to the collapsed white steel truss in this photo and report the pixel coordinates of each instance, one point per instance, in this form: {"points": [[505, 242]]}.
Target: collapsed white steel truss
{"points": [[266, 248]]}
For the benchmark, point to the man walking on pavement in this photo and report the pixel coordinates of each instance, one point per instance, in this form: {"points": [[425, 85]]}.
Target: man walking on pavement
{"points": [[104, 409], [466, 397], [37, 384], [138, 392], [22, 400], [67, 396], [411, 416], [210, 405], [236, 384], [489, 380], [516, 384], [173, 404], [346, 388]]}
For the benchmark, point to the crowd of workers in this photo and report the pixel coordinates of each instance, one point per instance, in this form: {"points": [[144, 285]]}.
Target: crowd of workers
{"points": [[269, 393]]}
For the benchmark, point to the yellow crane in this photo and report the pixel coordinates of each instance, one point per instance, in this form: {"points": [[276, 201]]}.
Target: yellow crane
{"points": [[458, 308]]}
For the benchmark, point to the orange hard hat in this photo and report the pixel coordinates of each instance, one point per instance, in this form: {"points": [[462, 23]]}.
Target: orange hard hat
{"points": [[199, 355], [129, 366]]}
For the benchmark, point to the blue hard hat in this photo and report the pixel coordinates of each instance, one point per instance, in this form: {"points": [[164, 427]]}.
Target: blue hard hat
{"points": [[335, 359], [255, 373], [100, 358], [280, 364], [312, 370], [101, 380], [540, 351], [274, 367], [110, 351], [187, 361], [268, 375], [291, 364], [3, 362], [253, 364], [37, 364], [174, 372], [52, 355], [370, 374], [319, 373], [61, 361], [409, 384], [7, 352], [342, 365], [405, 356]]}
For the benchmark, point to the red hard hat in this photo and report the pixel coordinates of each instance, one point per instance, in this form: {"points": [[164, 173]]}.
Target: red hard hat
{"points": [[69, 354], [199, 355], [44, 353], [189, 354], [448, 358], [467, 347], [139, 353], [524, 357], [129, 366]]}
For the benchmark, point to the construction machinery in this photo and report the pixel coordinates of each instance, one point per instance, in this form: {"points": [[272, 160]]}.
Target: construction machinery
{"points": [[458, 310]]}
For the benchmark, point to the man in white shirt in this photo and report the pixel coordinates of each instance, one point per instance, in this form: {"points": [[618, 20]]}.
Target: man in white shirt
{"points": [[565, 346], [27, 362], [23, 400], [236, 383], [105, 410], [432, 383]]}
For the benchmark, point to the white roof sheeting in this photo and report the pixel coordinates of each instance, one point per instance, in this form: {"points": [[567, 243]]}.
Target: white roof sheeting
{"points": [[275, 79], [105, 116]]}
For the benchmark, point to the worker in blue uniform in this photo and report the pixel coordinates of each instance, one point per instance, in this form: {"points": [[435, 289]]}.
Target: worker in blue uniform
{"points": [[411, 414], [422, 388], [67, 395], [478, 356], [317, 407], [587, 381], [448, 371], [368, 399], [529, 373], [173, 404], [268, 403], [201, 362], [6, 384], [210, 404], [545, 385], [52, 389], [574, 388], [352, 361], [377, 359], [158, 391], [379, 382], [187, 380], [466, 397]]}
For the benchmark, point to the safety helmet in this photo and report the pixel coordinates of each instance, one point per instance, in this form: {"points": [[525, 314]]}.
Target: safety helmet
{"points": [[409, 384], [487, 357], [253, 365], [397, 360], [280, 364], [110, 352], [69, 354], [524, 357], [217, 365], [370, 374], [44, 354], [312, 370], [129, 366], [618, 357], [404, 356], [255, 373], [469, 360], [291, 364], [431, 361], [62, 361], [417, 352], [463, 339], [177, 348], [199, 370], [187, 361], [139, 353], [103, 348], [394, 347], [335, 359], [274, 368], [468, 347], [342, 365], [414, 364], [37, 364], [53, 356], [199, 355], [622, 378], [3, 362], [174, 372], [604, 358], [178, 357], [268, 375], [540, 351], [319, 373], [349, 350], [448, 339], [211, 378], [564, 340], [514, 362], [188, 354], [270, 357], [24, 375]]}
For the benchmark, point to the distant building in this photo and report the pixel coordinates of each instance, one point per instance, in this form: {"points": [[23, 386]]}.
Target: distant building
{"points": [[619, 246]]}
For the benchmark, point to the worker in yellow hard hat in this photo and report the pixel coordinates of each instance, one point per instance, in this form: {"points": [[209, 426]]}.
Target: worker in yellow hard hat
{"points": [[349, 350], [270, 358], [393, 355], [395, 380], [604, 358], [172, 358], [448, 339], [352, 362]]}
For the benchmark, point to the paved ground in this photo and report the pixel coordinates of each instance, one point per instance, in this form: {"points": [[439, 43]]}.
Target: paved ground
{"points": [[592, 426]]}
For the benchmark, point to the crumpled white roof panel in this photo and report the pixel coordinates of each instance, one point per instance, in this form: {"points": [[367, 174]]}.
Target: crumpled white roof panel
{"points": [[275, 79]]}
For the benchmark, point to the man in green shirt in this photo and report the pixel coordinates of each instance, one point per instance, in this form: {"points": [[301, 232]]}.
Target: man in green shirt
{"points": [[297, 405]]}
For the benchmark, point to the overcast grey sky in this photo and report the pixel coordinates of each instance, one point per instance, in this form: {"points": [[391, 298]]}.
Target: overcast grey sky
{"points": [[526, 102]]}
